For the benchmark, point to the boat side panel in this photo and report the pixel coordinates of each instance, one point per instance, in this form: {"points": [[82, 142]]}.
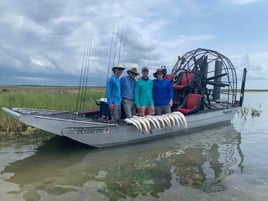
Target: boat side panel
{"points": [[56, 126], [202, 120], [119, 135], [103, 135]]}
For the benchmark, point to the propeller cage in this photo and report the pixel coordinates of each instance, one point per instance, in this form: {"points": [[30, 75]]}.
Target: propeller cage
{"points": [[215, 76]]}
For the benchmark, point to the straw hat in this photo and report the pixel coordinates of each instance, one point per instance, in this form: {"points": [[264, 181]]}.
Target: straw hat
{"points": [[119, 66], [133, 70]]}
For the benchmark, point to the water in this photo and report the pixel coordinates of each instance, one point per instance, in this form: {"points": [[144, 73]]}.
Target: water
{"points": [[225, 163]]}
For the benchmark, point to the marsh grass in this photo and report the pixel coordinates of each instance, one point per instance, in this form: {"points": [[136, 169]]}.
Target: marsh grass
{"points": [[244, 112], [40, 97]]}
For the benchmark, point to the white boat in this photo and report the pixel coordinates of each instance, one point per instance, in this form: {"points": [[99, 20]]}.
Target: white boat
{"points": [[214, 82]]}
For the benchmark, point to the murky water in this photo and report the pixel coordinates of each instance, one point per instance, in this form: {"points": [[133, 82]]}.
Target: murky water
{"points": [[225, 163]]}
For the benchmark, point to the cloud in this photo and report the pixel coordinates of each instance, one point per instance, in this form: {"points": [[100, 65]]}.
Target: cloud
{"points": [[242, 2], [256, 63], [257, 71], [44, 41], [53, 39]]}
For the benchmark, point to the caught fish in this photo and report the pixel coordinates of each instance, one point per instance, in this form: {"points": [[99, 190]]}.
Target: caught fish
{"points": [[160, 120], [138, 123], [182, 118], [129, 121], [151, 121], [147, 122], [172, 119], [156, 123], [166, 119], [176, 119], [142, 122]]}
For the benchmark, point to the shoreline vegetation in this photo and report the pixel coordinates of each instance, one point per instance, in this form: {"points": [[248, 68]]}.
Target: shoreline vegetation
{"points": [[46, 97], [41, 97]]}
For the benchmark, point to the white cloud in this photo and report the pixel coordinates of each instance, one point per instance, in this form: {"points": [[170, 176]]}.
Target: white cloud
{"points": [[257, 65], [48, 37], [257, 71], [242, 2]]}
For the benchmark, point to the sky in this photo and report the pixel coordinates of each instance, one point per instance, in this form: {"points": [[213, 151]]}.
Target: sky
{"points": [[44, 42]]}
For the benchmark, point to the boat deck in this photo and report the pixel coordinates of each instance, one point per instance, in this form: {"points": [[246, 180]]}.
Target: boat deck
{"points": [[91, 115], [83, 116]]}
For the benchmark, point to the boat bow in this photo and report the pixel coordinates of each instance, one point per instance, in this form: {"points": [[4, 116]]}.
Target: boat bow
{"points": [[11, 113]]}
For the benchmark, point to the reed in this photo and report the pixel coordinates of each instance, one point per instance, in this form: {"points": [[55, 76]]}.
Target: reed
{"points": [[244, 112], [40, 97]]}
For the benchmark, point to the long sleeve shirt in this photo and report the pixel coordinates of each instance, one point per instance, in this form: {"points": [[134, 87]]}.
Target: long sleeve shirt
{"points": [[163, 92], [113, 91], [144, 93], [127, 87]]}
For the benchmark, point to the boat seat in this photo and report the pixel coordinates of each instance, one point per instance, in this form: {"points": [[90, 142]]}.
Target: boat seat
{"points": [[192, 103], [183, 86], [169, 77], [186, 79]]}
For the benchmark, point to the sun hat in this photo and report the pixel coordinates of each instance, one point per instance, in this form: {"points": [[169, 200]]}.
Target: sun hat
{"points": [[119, 66], [159, 71], [133, 70]]}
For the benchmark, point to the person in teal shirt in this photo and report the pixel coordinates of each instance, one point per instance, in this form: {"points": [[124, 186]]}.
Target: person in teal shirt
{"points": [[144, 94], [113, 94]]}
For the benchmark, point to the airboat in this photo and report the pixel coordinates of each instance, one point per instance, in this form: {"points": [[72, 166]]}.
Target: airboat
{"points": [[205, 95]]}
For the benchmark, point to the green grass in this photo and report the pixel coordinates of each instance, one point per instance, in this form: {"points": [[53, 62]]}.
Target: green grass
{"points": [[40, 97]]}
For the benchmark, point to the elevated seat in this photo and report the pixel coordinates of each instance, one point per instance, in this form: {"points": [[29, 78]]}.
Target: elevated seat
{"points": [[186, 79], [169, 77], [192, 103], [183, 86]]}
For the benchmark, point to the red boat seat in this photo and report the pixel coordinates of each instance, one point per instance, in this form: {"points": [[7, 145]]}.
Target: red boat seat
{"points": [[169, 77], [191, 104], [185, 79]]}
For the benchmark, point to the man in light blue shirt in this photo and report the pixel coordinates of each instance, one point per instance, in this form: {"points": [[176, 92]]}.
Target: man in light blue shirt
{"points": [[128, 84], [113, 93]]}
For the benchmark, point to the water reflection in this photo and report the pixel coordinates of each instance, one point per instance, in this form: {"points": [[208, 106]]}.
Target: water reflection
{"points": [[202, 160], [47, 161]]}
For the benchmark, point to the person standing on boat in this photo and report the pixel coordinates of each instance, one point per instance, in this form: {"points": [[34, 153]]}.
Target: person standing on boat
{"points": [[162, 92], [113, 93], [144, 93], [128, 84]]}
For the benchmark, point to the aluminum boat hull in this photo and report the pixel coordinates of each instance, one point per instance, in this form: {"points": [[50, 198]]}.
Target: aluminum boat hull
{"points": [[97, 134]]}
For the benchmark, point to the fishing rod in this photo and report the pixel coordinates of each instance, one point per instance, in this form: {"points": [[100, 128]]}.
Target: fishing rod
{"points": [[115, 49], [84, 77], [114, 44], [120, 45], [86, 74], [80, 104], [81, 79], [109, 61]]}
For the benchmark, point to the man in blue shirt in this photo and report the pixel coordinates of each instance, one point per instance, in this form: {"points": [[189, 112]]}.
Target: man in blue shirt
{"points": [[163, 93], [128, 84], [113, 93]]}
